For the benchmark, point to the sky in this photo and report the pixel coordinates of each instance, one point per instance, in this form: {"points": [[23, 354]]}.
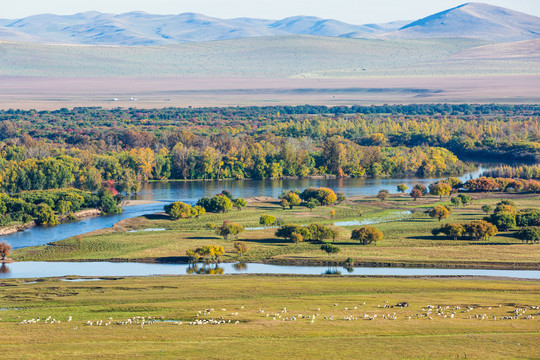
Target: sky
{"points": [[351, 11]]}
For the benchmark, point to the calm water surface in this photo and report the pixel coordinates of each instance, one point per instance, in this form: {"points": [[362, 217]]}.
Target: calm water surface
{"points": [[49, 269]]}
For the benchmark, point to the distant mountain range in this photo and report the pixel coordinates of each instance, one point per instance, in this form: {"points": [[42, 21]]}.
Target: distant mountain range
{"points": [[472, 20]]}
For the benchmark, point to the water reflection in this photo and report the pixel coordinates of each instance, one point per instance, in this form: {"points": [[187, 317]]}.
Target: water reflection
{"points": [[241, 266], [332, 271], [4, 269], [195, 269]]}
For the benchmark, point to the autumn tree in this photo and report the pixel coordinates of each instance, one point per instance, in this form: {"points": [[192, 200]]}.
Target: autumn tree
{"points": [[367, 235], [240, 248], [4, 250], [439, 212], [178, 210]]}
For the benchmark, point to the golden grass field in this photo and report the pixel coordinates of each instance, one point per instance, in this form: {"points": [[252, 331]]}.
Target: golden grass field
{"points": [[460, 325]]}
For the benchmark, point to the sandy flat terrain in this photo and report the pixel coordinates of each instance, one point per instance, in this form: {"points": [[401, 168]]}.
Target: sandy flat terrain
{"points": [[46, 93]]}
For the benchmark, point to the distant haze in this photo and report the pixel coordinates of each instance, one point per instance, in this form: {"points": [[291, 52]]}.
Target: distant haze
{"points": [[351, 11]]}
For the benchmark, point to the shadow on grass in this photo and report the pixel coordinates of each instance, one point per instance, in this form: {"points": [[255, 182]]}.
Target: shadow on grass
{"points": [[156, 217], [204, 238], [269, 241]]}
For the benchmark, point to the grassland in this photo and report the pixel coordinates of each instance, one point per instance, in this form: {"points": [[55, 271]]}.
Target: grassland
{"points": [[408, 242], [339, 330]]}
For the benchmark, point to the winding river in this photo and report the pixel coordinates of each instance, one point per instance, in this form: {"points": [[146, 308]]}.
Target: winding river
{"points": [[191, 191]]}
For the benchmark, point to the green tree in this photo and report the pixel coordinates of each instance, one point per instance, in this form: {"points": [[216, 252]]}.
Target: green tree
{"points": [[46, 216], [312, 204], [330, 249], [292, 198], [178, 210], [465, 199], [504, 220], [456, 201], [487, 209], [239, 203], [229, 229], [267, 220], [402, 188]]}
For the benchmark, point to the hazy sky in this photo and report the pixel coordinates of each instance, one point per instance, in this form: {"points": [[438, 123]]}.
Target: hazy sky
{"points": [[352, 11]]}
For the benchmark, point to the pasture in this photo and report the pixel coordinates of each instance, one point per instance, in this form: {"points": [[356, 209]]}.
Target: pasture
{"points": [[268, 317]]}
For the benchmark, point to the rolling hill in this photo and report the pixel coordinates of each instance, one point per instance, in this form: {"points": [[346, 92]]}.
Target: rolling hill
{"points": [[473, 20]]}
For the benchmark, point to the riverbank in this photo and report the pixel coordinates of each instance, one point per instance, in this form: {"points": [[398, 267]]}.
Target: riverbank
{"points": [[304, 317], [79, 215], [407, 242]]}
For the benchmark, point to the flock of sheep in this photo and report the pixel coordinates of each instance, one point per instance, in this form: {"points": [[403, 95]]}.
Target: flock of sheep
{"points": [[204, 317]]}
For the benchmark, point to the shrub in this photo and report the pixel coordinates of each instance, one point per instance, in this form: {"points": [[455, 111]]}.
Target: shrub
{"points": [[330, 249], [383, 195], [451, 230], [324, 196]]}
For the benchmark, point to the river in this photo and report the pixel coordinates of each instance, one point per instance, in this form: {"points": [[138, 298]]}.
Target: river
{"points": [[191, 191], [106, 269]]}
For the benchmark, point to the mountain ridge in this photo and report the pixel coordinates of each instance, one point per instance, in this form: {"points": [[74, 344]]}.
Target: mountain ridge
{"points": [[474, 20]]}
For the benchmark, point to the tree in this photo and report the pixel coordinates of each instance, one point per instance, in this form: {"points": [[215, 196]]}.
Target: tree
{"points": [[312, 204], [451, 230], [4, 250], [480, 229], [229, 229], [416, 193], [267, 220], [178, 210], [367, 235], [383, 195], [284, 204], [197, 211], [107, 203], [440, 189], [46, 216], [330, 249], [465, 199], [239, 203], [240, 247], [340, 198], [221, 203], [402, 188], [319, 232], [527, 234], [439, 212], [296, 238], [292, 198], [504, 220], [332, 213], [324, 196], [487, 209], [456, 201]]}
